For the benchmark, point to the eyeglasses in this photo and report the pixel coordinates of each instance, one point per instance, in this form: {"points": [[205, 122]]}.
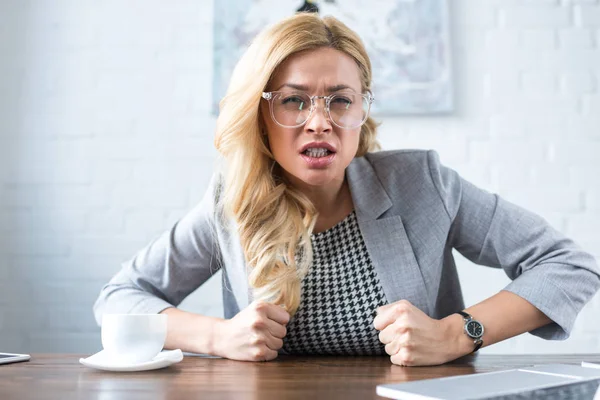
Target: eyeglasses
{"points": [[291, 109]]}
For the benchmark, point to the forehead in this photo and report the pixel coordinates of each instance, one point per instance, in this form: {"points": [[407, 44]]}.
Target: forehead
{"points": [[317, 68]]}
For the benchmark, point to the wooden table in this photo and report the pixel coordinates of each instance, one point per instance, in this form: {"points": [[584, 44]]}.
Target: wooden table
{"points": [[60, 376]]}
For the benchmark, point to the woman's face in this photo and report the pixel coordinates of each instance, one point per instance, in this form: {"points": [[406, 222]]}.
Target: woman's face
{"points": [[317, 72]]}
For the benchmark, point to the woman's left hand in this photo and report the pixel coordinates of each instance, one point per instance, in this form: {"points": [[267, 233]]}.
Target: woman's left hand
{"points": [[412, 338]]}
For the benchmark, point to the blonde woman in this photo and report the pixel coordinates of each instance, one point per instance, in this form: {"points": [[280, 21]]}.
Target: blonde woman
{"points": [[329, 247]]}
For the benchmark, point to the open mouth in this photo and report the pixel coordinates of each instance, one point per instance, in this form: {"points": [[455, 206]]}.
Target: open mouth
{"points": [[317, 153]]}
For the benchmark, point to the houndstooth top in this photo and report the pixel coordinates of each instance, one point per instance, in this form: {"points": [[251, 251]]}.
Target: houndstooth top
{"points": [[339, 296]]}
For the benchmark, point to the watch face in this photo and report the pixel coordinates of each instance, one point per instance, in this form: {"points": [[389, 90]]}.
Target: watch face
{"points": [[474, 329]]}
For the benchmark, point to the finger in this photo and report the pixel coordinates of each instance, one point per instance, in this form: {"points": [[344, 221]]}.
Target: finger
{"points": [[270, 355], [390, 312], [392, 347], [382, 308], [263, 353], [384, 319], [277, 314], [276, 329], [390, 333], [403, 358], [265, 340], [386, 307], [273, 343]]}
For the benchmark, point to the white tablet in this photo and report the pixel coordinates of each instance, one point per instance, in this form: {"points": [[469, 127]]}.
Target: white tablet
{"points": [[6, 358]]}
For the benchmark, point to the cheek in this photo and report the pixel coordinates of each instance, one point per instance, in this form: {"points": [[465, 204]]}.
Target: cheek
{"points": [[280, 143], [351, 142], [274, 143]]}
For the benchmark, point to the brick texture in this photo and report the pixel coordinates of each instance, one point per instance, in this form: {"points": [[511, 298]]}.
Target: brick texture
{"points": [[106, 140]]}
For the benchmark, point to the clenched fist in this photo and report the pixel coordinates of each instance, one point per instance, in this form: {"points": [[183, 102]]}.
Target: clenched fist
{"points": [[255, 334], [412, 338]]}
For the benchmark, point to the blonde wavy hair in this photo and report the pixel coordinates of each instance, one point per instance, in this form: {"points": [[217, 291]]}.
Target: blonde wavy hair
{"points": [[274, 219]]}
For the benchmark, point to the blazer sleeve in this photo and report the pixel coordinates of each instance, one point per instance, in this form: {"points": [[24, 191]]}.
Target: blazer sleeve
{"points": [[167, 270], [546, 268]]}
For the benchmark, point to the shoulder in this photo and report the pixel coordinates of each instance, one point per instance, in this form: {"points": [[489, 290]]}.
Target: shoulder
{"points": [[401, 164], [383, 161], [210, 209], [409, 177]]}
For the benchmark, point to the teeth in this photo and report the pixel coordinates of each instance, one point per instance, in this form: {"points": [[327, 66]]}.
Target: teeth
{"points": [[316, 152]]}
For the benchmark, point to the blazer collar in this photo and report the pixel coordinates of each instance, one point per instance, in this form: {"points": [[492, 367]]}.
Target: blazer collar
{"points": [[390, 249], [370, 198]]}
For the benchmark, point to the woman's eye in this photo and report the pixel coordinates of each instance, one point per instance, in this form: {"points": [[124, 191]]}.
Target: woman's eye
{"points": [[293, 103], [293, 99], [342, 101]]}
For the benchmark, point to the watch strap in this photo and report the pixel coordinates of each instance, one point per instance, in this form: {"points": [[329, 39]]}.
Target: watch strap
{"points": [[465, 315]]}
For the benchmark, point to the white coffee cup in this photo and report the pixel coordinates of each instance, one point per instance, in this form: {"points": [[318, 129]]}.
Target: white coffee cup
{"points": [[133, 338]]}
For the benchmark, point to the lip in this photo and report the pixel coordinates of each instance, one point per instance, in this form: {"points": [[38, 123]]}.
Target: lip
{"points": [[323, 145], [318, 163]]}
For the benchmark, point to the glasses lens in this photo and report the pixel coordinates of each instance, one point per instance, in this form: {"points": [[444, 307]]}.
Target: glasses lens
{"points": [[349, 110], [291, 109]]}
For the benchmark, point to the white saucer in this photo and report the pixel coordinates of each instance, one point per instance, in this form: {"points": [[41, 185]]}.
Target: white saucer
{"points": [[163, 359]]}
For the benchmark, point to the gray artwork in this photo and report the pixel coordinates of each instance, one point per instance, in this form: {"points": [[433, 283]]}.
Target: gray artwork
{"points": [[407, 41]]}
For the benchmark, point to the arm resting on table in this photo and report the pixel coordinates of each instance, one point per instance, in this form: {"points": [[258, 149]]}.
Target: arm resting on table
{"points": [[190, 332]]}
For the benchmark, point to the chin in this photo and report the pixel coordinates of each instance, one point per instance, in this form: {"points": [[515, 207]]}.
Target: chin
{"points": [[317, 177]]}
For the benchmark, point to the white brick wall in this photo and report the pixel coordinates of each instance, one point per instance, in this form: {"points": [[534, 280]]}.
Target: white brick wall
{"points": [[106, 140]]}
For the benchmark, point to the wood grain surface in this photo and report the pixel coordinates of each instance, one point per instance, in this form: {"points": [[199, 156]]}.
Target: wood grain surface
{"points": [[60, 376]]}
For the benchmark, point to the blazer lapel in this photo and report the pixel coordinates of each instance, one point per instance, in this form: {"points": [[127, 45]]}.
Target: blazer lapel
{"points": [[386, 240]]}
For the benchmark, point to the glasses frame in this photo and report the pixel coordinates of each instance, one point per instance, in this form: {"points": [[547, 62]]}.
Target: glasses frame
{"points": [[269, 96]]}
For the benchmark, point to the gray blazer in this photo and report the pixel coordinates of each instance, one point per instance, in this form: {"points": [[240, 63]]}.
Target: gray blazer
{"points": [[412, 212]]}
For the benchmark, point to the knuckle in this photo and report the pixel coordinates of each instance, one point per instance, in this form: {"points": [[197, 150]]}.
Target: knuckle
{"points": [[406, 357], [260, 306], [256, 341], [257, 324], [258, 354], [401, 329], [401, 307]]}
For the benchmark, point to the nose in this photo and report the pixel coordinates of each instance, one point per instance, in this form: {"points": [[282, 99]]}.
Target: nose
{"points": [[318, 122]]}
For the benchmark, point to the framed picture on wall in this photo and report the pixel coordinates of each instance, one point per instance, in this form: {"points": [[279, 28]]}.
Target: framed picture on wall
{"points": [[407, 41]]}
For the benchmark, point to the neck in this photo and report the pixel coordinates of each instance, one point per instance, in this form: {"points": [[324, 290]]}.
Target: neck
{"points": [[328, 200]]}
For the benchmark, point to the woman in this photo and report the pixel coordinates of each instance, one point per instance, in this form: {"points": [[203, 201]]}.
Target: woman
{"points": [[329, 247]]}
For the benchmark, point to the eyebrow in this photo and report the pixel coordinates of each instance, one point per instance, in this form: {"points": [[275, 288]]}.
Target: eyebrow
{"points": [[306, 88]]}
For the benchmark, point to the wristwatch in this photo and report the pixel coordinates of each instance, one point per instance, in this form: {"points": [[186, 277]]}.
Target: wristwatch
{"points": [[473, 329]]}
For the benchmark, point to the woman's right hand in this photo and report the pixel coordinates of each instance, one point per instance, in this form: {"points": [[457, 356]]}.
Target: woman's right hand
{"points": [[254, 334]]}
